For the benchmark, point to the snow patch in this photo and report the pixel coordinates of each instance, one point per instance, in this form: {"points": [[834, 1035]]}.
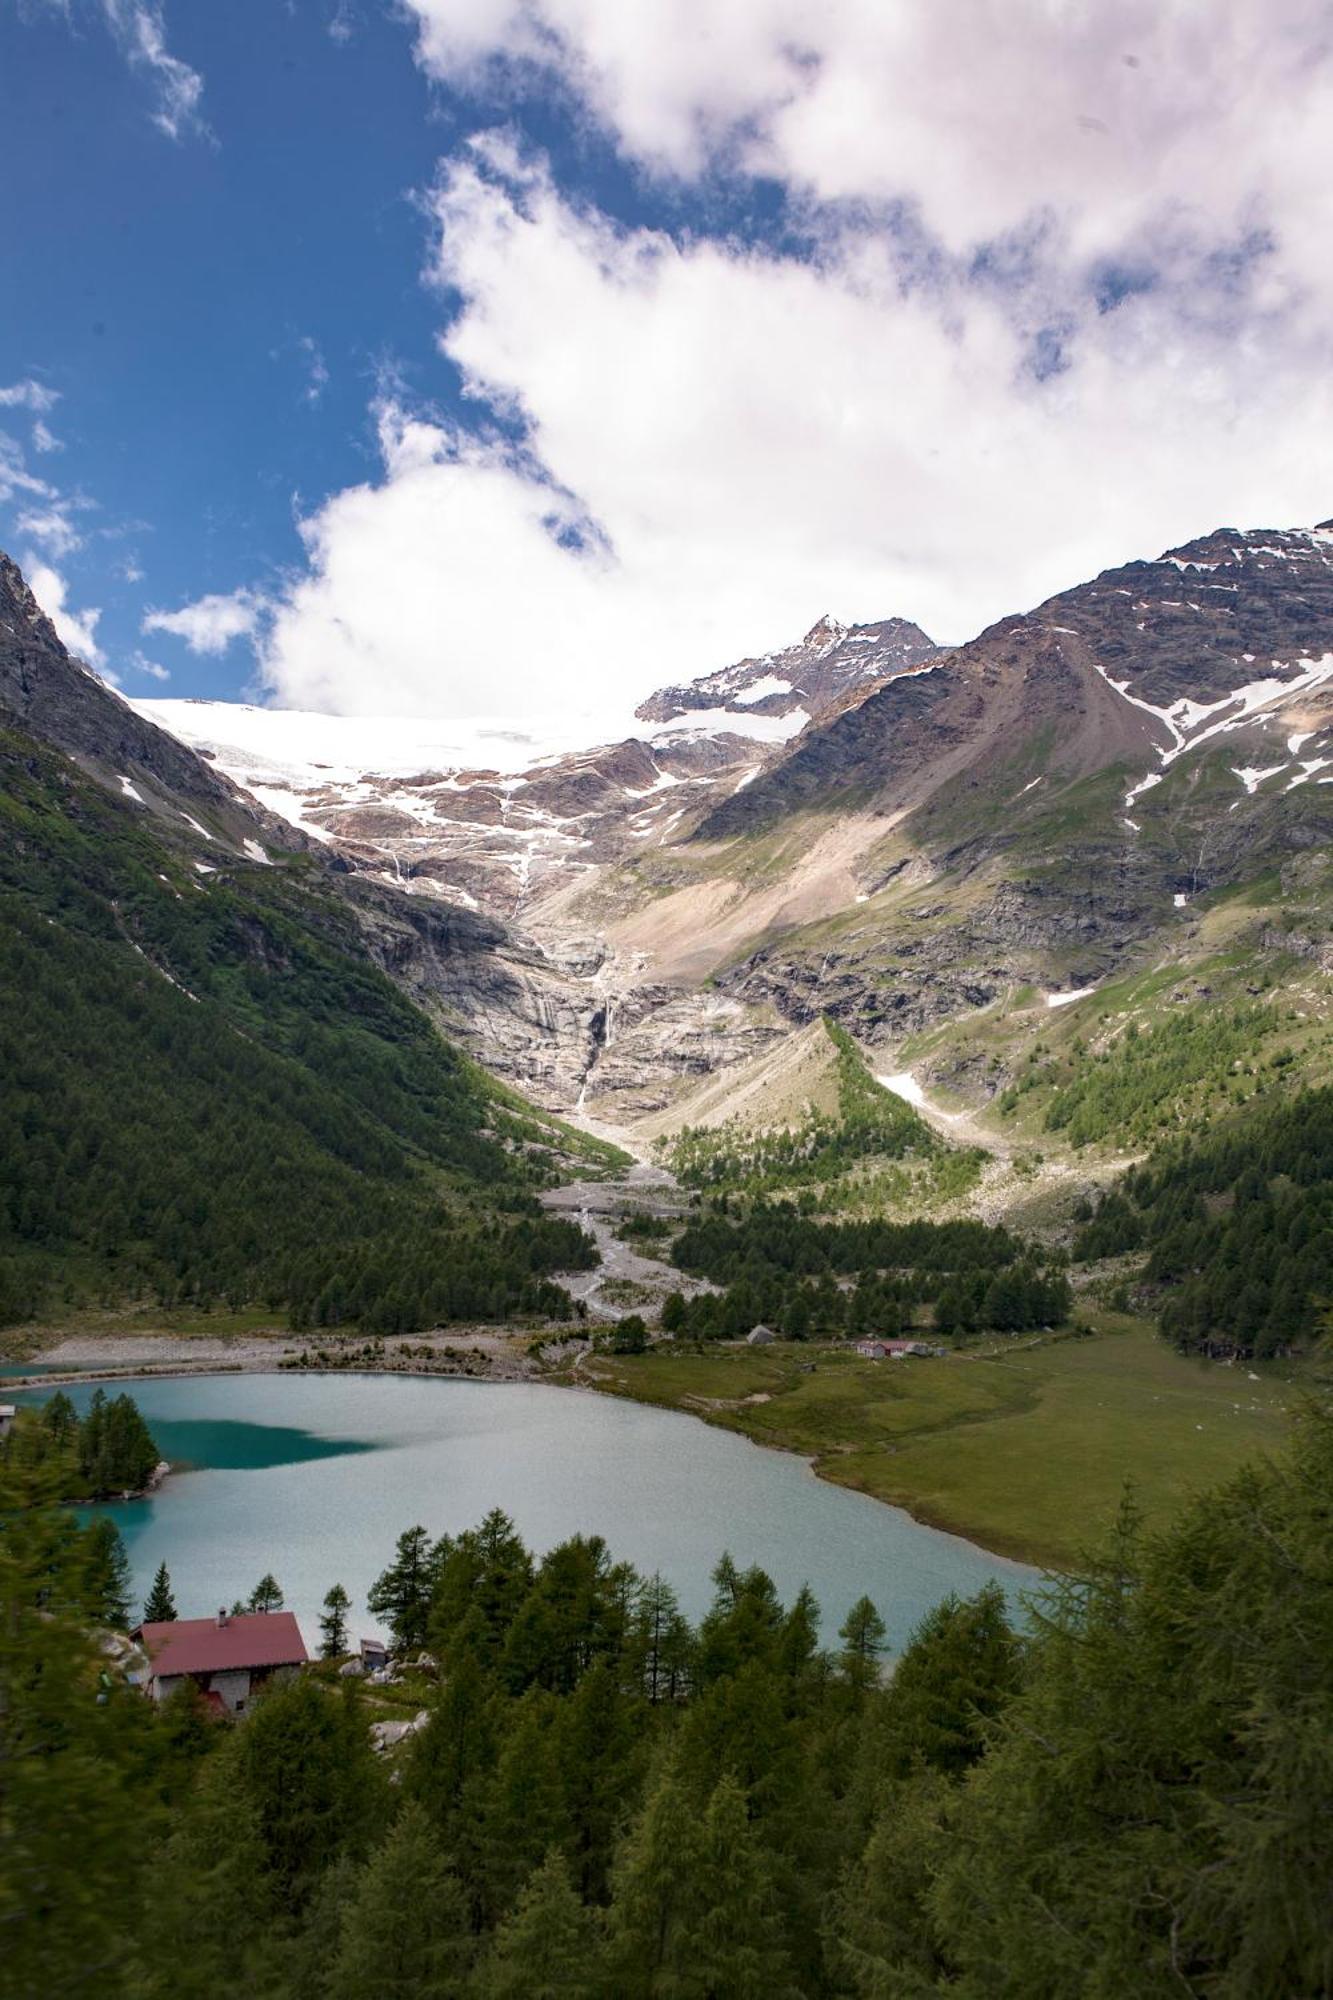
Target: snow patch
{"points": [[903, 1084], [1068, 999], [256, 852], [131, 791], [1251, 776]]}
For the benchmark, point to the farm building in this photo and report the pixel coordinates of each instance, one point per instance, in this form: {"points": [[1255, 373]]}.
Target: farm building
{"points": [[228, 1657], [760, 1336]]}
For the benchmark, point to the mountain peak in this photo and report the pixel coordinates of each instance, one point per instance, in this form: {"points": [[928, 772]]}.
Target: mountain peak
{"points": [[824, 631]]}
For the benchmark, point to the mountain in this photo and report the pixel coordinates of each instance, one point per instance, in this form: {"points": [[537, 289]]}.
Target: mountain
{"points": [[214, 1094], [71, 708], [813, 677], [960, 856], [493, 815]]}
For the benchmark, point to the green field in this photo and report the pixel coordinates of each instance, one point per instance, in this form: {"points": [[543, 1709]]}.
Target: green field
{"points": [[1023, 1446]]}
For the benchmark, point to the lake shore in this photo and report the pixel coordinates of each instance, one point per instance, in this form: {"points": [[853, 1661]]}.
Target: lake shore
{"points": [[1023, 1450]]}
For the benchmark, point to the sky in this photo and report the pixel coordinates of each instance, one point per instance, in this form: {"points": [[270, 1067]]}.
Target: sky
{"points": [[512, 357]]}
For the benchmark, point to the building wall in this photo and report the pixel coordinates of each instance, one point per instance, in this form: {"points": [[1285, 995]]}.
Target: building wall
{"points": [[233, 1687]]}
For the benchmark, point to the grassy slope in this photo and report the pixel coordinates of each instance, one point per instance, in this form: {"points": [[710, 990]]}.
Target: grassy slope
{"points": [[811, 1117], [1025, 1448]]}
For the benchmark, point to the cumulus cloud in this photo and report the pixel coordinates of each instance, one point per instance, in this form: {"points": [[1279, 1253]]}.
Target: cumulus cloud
{"points": [[143, 665], [211, 623], [78, 629], [721, 441]]}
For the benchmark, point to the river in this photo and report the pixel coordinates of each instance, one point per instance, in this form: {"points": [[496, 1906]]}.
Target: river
{"points": [[314, 1476]]}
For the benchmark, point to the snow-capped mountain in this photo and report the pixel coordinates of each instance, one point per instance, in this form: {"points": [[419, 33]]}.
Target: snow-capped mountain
{"points": [[811, 678], [495, 813]]}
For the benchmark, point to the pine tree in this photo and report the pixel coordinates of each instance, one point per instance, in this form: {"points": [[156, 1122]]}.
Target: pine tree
{"points": [[304, 1762], [106, 1573], [863, 1633], [549, 1949], [654, 1885], [402, 1594], [733, 1945], [160, 1605], [266, 1595], [404, 1930], [66, 1904], [333, 1624]]}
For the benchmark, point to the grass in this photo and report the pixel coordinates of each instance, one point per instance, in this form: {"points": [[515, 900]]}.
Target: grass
{"points": [[1023, 1446]]}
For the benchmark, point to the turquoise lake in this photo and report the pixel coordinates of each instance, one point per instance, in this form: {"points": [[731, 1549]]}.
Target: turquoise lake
{"points": [[315, 1476]]}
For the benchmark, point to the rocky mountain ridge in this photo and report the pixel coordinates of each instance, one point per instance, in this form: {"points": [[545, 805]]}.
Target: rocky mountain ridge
{"points": [[950, 837]]}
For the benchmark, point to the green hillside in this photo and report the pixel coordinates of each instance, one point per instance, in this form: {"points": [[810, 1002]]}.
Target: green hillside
{"points": [[1236, 1225], [212, 1096], [848, 1144]]}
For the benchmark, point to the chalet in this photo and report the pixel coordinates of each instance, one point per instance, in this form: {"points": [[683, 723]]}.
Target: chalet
{"points": [[894, 1350], [8, 1412], [872, 1350], [228, 1657], [760, 1336]]}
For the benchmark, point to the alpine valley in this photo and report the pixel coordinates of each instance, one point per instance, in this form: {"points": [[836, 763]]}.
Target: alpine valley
{"points": [[1110, 812]]}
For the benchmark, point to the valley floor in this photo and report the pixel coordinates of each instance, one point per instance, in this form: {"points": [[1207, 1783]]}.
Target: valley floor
{"points": [[1025, 1446]]}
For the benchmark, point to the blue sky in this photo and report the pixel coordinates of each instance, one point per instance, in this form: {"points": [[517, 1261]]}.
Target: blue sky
{"points": [[440, 357]]}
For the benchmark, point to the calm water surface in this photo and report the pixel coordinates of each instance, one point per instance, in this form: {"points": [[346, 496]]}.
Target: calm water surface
{"points": [[315, 1476]]}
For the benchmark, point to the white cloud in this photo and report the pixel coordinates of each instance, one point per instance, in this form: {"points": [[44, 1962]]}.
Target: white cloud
{"points": [[28, 395], [139, 27], [44, 438], [722, 442], [52, 527], [1099, 113], [317, 370], [76, 628], [211, 623], [143, 665]]}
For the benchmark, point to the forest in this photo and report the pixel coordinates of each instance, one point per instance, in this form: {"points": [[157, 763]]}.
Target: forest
{"points": [[109, 1451], [783, 1268], [815, 1151], [1235, 1228], [212, 1098], [1122, 1789]]}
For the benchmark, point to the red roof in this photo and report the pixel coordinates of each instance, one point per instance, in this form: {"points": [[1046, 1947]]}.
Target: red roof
{"points": [[202, 1646]]}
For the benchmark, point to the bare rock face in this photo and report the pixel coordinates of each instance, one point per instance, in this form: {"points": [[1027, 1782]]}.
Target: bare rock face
{"points": [[815, 675], [1036, 809]]}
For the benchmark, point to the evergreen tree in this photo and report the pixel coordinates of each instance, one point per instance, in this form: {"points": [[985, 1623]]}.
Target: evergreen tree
{"points": [[654, 1888], [106, 1573], [213, 1898], [863, 1634], [401, 1595], [733, 1944], [160, 1605], [68, 1906], [266, 1595], [333, 1623], [404, 1930], [304, 1764], [549, 1949]]}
